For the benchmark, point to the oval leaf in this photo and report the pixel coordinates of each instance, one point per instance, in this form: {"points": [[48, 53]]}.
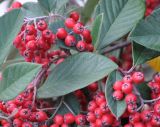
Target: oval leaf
{"points": [[147, 32], [117, 107], [10, 25], [15, 79], [120, 16], [96, 28], [142, 54], [74, 73]]}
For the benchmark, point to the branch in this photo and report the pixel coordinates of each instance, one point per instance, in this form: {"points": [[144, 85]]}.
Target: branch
{"points": [[115, 47]]}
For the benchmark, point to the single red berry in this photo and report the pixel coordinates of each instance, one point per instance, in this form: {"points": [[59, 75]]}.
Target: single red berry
{"points": [[58, 119], [42, 25], [16, 5], [98, 123], [61, 33], [93, 87], [138, 77], [30, 30], [24, 113], [91, 117], [70, 41], [74, 15], [139, 124], [157, 108], [47, 34], [131, 99], [54, 125], [81, 46], [89, 47], [136, 117], [31, 45], [17, 123], [127, 88], [80, 120], [92, 106], [64, 125], [118, 85], [86, 34], [107, 119], [41, 116], [104, 107], [146, 115], [132, 108], [98, 113], [118, 95], [69, 23], [78, 28], [155, 120], [69, 118], [127, 78]]}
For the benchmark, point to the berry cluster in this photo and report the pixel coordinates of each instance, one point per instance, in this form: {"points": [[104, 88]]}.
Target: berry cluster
{"points": [[151, 5], [72, 23], [99, 114], [125, 87], [68, 119], [23, 109]]}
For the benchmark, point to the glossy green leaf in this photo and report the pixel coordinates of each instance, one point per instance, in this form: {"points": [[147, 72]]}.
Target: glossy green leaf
{"points": [[76, 72], [53, 5], [15, 79], [72, 102], [88, 10], [120, 16], [10, 25], [147, 32], [117, 107], [32, 9], [144, 90], [142, 54], [96, 28]]}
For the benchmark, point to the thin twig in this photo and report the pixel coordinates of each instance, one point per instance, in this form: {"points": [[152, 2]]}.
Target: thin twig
{"points": [[46, 109], [69, 108], [151, 101], [115, 47]]}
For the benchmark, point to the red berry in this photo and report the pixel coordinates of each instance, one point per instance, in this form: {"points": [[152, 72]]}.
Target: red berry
{"points": [[69, 118], [118, 85], [138, 77], [78, 28], [41, 116], [146, 115], [157, 78], [157, 108], [47, 34], [91, 117], [17, 123], [139, 124], [98, 113], [26, 124], [42, 25], [127, 88], [54, 125], [31, 45], [74, 15], [69, 23], [61, 33], [133, 118], [24, 113], [30, 30], [132, 108], [92, 106], [89, 47], [81, 46], [70, 41], [131, 99], [93, 87], [118, 95], [16, 5], [80, 120], [58, 119], [127, 78], [86, 34], [107, 119]]}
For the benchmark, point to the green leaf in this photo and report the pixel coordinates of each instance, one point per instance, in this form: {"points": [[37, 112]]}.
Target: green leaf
{"points": [[32, 9], [142, 54], [96, 28], [117, 107], [76, 72], [15, 79], [147, 32], [53, 5], [120, 16], [144, 90], [10, 25], [88, 10], [72, 102]]}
